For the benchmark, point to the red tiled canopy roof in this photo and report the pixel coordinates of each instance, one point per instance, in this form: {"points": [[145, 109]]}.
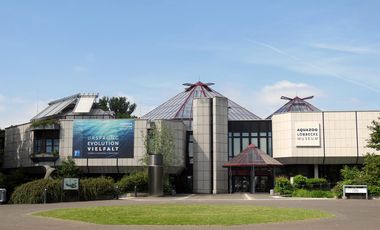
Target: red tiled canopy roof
{"points": [[252, 156]]}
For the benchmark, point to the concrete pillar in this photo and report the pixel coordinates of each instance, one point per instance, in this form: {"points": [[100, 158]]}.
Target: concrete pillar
{"points": [[220, 144], [316, 171], [155, 175], [202, 118]]}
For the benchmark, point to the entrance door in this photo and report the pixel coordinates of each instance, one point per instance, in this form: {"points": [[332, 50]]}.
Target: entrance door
{"points": [[240, 184]]}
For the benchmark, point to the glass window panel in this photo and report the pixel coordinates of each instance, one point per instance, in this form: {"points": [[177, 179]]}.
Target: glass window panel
{"points": [[245, 134], [230, 146], [236, 134], [269, 134], [254, 134], [263, 134], [37, 146], [237, 149], [270, 146], [229, 134], [263, 144], [56, 145], [254, 141], [191, 150], [245, 142]]}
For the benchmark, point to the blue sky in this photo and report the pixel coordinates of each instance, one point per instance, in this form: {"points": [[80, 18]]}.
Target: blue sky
{"points": [[254, 52]]}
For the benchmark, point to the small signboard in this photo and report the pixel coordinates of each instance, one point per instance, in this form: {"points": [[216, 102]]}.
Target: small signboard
{"points": [[70, 183], [307, 134], [355, 189]]}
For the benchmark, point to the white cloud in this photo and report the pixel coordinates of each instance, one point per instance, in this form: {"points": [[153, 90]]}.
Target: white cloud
{"points": [[267, 100], [345, 48], [360, 71]]}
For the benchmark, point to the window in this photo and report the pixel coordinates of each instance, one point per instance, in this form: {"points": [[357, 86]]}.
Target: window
{"points": [[263, 144], [245, 142], [270, 146], [254, 141], [237, 148], [37, 146], [56, 145], [49, 145], [230, 154]]}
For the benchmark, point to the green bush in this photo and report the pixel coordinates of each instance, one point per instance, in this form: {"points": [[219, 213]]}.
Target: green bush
{"points": [[299, 181], [96, 188], [312, 193], [374, 190], [89, 189], [338, 189], [32, 192], [283, 186], [128, 183], [316, 183]]}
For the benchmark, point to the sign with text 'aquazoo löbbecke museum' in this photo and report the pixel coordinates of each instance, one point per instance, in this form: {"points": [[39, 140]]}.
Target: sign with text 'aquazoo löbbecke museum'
{"points": [[103, 138], [307, 134]]}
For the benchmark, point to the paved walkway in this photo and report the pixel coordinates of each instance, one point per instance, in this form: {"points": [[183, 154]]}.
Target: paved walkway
{"points": [[350, 214]]}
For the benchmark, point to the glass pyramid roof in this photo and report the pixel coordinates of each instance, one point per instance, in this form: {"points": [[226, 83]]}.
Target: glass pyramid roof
{"points": [[296, 105], [181, 105]]}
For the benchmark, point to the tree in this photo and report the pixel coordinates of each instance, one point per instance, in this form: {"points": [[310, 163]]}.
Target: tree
{"points": [[372, 161], [68, 169], [374, 140], [120, 105], [103, 103], [160, 140]]}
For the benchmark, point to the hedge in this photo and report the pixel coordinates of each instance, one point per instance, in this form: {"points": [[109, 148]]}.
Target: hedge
{"points": [[283, 186], [312, 193], [299, 181], [31, 192], [90, 189], [128, 182], [96, 188]]}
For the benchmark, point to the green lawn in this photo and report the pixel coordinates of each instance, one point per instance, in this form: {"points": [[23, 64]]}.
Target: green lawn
{"points": [[183, 214]]}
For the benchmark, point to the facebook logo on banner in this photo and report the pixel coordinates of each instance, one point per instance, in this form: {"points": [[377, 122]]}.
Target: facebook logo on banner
{"points": [[76, 153]]}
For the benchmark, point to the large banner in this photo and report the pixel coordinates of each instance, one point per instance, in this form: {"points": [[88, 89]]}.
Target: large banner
{"points": [[103, 138]]}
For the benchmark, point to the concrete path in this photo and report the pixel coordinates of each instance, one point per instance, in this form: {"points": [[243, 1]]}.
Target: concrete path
{"points": [[350, 214]]}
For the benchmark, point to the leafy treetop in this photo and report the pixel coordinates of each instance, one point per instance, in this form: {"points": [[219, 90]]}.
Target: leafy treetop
{"points": [[374, 140], [120, 105]]}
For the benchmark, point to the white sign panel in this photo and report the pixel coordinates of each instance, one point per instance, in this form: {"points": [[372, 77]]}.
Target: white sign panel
{"points": [[70, 183], [356, 190], [308, 134]]}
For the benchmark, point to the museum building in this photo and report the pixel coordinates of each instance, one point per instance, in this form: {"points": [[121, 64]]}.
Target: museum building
{"points": [[221, 147]]}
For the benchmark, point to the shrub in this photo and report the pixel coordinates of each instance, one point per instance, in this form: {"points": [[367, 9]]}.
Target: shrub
{"points": [[68, 169], [312, 193], [374, 190], [316, 183], [128, 183], [96, 188], [299, 181], [338, 189], [89, 189], [350, 173], [283, 186], [32, 192]]}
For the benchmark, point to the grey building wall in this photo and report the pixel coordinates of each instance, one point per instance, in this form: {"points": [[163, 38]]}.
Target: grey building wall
{"points": [[343, 137], [220, 144], [18, 146], [202, 145]]}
